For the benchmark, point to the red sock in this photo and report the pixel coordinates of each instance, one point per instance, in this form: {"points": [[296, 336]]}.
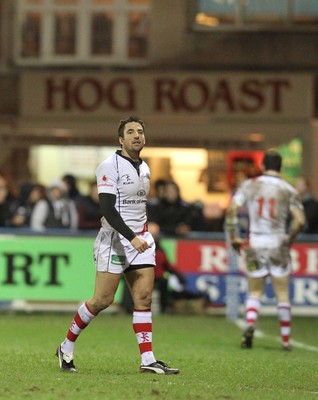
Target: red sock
{"points": [[252, 309], [284, 317], [142, 324], [82, 318]]}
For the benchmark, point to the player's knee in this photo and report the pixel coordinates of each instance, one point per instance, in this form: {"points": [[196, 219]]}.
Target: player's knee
{"points": [[144, 298], [283, 298], [101, 303]]}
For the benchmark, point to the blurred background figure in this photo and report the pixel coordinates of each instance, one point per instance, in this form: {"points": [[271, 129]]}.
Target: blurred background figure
{"points": [[163, 270], [159, 193], [7, 202], [184, 301], [175, 216], [214, 217], [57, 211], [198, 220], [72, 190], [29, 195], [310, 204], [89, 213]]}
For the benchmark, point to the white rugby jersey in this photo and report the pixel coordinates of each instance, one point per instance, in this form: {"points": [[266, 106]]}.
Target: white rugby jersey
{"points": [[268, 200], [116, 175]]}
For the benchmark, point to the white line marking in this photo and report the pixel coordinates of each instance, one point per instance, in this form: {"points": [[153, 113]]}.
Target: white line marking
{"points": [[241, 324]]}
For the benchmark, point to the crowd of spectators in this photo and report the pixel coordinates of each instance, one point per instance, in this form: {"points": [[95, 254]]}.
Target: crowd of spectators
{"points": [[61, 205], [310, 204], [174, 215]]}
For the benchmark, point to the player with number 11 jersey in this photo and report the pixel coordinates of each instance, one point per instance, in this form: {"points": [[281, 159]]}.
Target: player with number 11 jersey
{"points": [[276, 216]]}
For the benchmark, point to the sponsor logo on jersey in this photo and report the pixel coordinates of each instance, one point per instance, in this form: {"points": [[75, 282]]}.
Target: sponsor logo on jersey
{"points": [[127, 180], [118, 260], [105, 184], [139, 201], [141, 193]]}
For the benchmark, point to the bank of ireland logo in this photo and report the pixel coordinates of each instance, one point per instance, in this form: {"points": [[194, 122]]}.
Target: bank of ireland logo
{"points": [[118, 260]]}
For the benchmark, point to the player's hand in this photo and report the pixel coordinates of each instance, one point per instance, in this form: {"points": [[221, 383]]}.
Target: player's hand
{"points": [[237, 244], [286, 241], [140, 244], [284, 249]]}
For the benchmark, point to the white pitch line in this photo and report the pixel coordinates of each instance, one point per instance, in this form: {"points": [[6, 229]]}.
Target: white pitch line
{"points": [[241, 324]]}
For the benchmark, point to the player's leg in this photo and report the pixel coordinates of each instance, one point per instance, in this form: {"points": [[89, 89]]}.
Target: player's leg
{"points": [[105, 288], [140, 281], [255, 290], [281, 289]]}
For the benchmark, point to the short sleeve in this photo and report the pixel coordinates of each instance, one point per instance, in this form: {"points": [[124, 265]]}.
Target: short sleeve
{"points": [[107, 177], [240, 196]]}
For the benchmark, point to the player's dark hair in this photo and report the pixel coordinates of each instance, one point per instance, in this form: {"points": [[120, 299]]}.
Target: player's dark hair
{"points": [[272, 160], [124, 121]]}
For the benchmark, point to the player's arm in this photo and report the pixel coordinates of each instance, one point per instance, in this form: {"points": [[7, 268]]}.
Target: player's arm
{"points": [[107, 203], [298, 221], [231, 222]]}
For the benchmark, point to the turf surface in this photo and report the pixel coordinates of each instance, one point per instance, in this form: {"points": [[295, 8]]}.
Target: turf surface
{"points": [[205, 348]]}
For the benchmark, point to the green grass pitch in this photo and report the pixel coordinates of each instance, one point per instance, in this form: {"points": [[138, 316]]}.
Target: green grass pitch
{"points": [[205, 348]]}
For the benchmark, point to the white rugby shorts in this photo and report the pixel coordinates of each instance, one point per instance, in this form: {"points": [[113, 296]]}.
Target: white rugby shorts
{"points": [[113, 253], [266, 256]]}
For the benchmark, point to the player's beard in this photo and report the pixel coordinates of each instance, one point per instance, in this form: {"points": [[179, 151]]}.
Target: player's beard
{"points": [[134, 151]]}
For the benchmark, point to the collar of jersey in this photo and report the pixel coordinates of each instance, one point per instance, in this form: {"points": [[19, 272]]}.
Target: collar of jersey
{"points": [[134, 163]]}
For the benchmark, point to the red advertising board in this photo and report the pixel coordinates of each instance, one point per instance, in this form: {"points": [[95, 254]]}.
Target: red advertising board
{"points": [[204, 257]]}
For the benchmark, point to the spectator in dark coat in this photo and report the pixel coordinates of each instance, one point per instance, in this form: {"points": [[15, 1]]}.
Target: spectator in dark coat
{"points": [[303, 186], [175, 216], [7, 202], [89, 213], [30, 194], [73, 192]]}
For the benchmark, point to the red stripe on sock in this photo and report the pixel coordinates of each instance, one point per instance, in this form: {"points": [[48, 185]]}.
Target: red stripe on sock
{"points": [[142, 327], [251, 309], [147, 346], [71, 336], [285, 323], [79, 322]]}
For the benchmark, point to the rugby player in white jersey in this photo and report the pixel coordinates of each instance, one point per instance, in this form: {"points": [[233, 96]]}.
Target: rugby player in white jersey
{"points": [[122, 246], [275, 216]]}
